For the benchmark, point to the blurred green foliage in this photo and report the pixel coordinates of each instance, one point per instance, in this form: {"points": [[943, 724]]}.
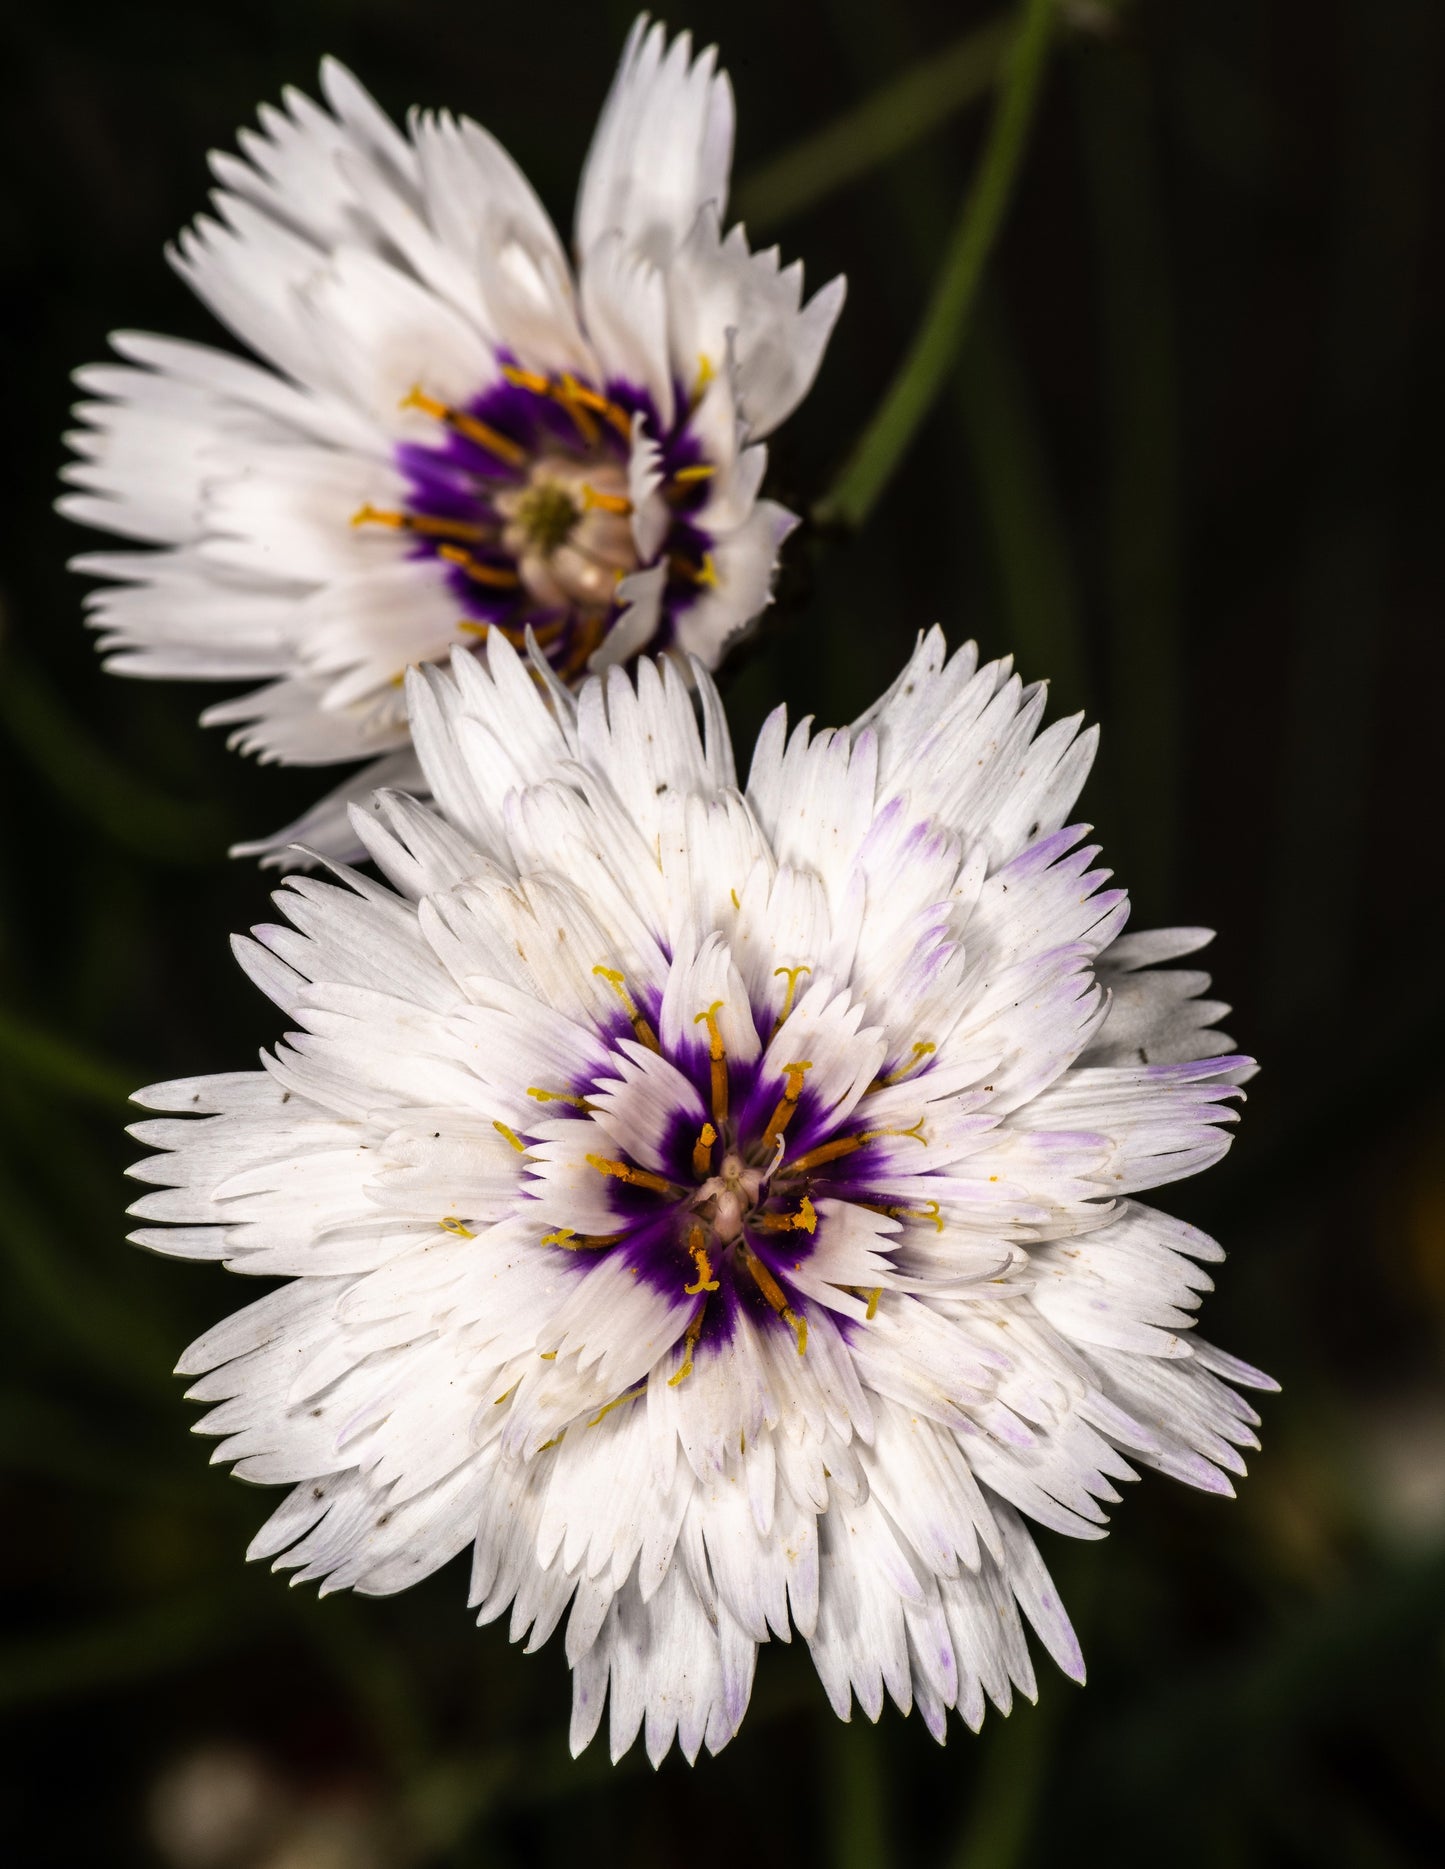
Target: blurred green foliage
{"points": [[1183, 457]]}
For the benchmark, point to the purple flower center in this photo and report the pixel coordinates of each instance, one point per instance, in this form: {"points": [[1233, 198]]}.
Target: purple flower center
{"points": [[527, 503], [731, 1212]]}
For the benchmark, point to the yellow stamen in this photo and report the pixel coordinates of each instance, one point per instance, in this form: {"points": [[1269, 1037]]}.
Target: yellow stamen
{"points": [[717, 1059], [507, 1394], [786, 1107], [845, 1145], [923, 1049], [690, 476], [548, 1356], [634, 1177], [559, 1096], [643, 1031], [629, 1395], [581, 1242], [805, 1220], [512, 1137], [497, 577], [702, 1151], [453, 1225], [527, 379], [505, 449], [705, 375], [689, 1343], [469, 628], [571, 391], [697, 1246], [777, 1298], [604, 502], [704, 574], [556, 1441], [422, 523], [791, 976], [873, 1298]]}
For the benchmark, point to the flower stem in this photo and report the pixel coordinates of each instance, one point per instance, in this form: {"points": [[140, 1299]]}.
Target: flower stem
{"points": [[875, 131], [925, 369]]}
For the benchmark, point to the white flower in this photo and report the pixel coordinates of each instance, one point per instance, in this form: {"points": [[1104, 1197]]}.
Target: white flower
{"points": [[445, 435], [715, 1206]]}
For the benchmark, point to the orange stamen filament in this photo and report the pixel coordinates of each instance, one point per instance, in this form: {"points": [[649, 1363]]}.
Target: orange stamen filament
{"points": [[786, 1107], [644, 1032], [581, 1242], [923, 1049], [497, 577], [805, 1220], [505, 449], [718, 1061], [560, 1096], [777, 1298], [845, 1145], [634, 1177], [791, 975], [697, 1246], [702, 1152], [689, 1344], [605, 502], [423, 523], [511, 1136]]}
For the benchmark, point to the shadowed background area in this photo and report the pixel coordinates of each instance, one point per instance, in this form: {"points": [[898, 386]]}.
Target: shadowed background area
{"points": [[1187, 465]]}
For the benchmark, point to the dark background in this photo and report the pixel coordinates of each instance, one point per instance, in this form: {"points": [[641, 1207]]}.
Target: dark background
{"points": [[1190, 467]]}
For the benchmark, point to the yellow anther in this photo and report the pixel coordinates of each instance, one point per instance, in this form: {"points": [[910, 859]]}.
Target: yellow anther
{"points": [[805, 1220], [558, 1096], [527, 379], [705, 375], [790, 974], [634, 1177], [629, 1395], [485, 436], [690, 476], [707, 571], [548, 1356], [641, 1029], [702, 1151], [507, 1394], [786, 1107], [511, 1136], [453, 1225], [704, 573], [574, 394], [697, 1246], [556, 1441], [580, 1242], [689, 1344], [495, 577], [845, 1145], [734, 894], [873, 1298], [424, 524], [923, 1049], [717, 1060], [604, 502], [470, 628]]}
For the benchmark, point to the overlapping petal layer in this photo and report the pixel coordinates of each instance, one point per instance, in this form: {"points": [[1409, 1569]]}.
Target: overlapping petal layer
{"points": [[717, 1205], [445, 433]]}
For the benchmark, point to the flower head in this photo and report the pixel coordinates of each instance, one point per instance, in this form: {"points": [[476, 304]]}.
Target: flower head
{"points": [[446, 434], [716, 1207]]}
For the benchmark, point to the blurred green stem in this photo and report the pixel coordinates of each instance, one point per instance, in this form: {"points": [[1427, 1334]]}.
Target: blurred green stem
{"points": [[41, 1056], [857, 1802], [878, 129], [925, 369]]}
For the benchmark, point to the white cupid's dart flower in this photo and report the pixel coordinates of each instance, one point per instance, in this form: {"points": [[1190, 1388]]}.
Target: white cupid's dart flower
{"points": [[715, 1207], [446, 436]]}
